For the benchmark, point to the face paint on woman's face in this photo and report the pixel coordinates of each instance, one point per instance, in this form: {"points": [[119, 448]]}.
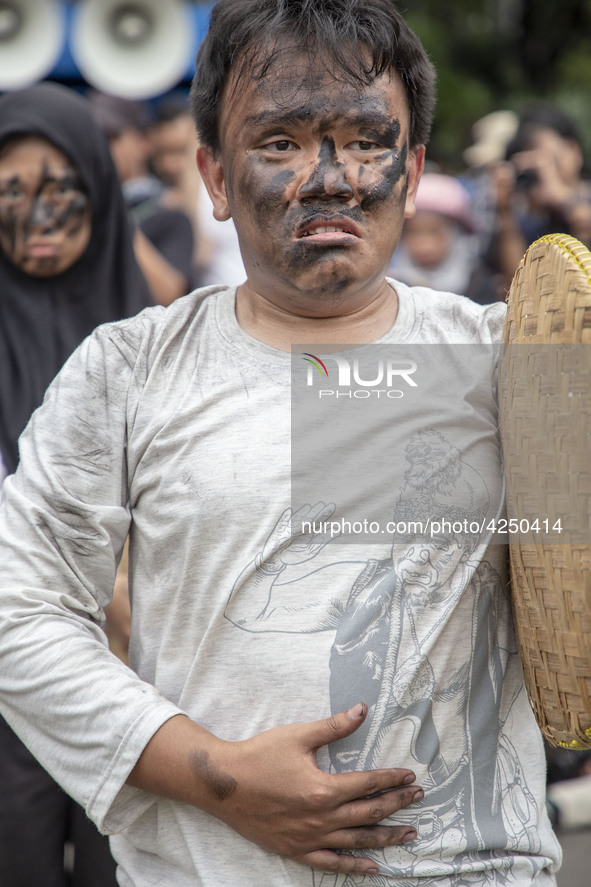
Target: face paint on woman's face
{"points": [[317, 175], [45, 218]]}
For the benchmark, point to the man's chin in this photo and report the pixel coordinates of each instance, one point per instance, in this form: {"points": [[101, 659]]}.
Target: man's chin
{"points": [[327, 290], [327, 273]]}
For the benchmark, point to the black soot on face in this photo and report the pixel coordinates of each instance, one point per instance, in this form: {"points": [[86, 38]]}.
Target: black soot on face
{"points": [[59, 204], [327, 161], [273, 192], [390, 172], [9, 216], [390, 135], [8, 229]]}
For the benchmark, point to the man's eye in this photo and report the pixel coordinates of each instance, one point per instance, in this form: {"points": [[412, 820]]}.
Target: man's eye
{"points": [[280, 146], [363, 145]]}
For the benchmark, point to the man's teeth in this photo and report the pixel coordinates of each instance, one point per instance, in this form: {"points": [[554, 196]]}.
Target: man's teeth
{"points": [[323, 229]]}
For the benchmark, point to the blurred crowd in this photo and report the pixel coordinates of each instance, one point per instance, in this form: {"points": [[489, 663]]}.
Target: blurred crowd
{"points": [[102, 213], [178, 243], [523, 177]]}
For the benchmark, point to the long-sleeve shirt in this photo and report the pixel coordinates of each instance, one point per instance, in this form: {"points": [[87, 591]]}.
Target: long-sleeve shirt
{"points": [[178, 428]]}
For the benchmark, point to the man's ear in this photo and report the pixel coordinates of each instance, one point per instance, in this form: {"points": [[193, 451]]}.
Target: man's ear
{"points": [[416, 164], [212, 173]]}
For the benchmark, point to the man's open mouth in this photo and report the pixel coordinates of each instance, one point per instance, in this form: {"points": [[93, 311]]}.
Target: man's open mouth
{"points": [[341, 230]]}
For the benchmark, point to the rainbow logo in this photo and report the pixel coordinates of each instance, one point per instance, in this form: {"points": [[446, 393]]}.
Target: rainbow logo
{"points": [[315, 361]]}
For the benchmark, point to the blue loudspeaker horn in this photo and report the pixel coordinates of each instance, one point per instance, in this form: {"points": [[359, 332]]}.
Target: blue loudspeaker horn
{"points": [[32, 39], [136, 48]]}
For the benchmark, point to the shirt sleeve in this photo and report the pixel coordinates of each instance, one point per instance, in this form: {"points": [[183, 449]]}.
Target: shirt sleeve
{"points": [[64, 518], [494, 315]]}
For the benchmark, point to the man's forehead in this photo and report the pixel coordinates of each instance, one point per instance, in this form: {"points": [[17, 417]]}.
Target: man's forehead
{"points": [[325, 117], [301, 92]]}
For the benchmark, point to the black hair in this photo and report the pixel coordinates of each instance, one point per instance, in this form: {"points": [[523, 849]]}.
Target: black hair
{"points": [[246, 36], [549, 116], [170, 109], [539, 117]]}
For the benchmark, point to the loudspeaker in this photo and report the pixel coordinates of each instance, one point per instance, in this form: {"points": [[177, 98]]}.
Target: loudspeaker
{"points": [[133, 48], [32, 37]]}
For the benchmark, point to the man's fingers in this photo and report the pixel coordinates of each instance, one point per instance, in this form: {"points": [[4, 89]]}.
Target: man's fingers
{"points": [[362, 785], [341, 863], [357, 839], [373, 810], [370, 837]]}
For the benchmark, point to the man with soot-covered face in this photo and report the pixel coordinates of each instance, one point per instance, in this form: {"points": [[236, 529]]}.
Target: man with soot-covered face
{"points": [[301, 711]]}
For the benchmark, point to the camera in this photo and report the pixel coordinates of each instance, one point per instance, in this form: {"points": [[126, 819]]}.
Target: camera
{"points": [[526, 179]]}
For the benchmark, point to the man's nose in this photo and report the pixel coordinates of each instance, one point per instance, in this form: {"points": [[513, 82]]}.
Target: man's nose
{"points": [[328, 179]]}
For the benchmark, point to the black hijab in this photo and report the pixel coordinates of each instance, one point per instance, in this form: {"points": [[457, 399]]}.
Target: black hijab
{"points": [[42, 320]]}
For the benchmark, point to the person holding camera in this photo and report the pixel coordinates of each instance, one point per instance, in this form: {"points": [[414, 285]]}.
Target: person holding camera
{"points": [[541, 188]]}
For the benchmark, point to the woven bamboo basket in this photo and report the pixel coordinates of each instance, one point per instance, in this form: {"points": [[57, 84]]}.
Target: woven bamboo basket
{"points": [[545, 424]]}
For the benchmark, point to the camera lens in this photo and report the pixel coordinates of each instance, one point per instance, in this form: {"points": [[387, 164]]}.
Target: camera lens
{"points": [[526, 179]]}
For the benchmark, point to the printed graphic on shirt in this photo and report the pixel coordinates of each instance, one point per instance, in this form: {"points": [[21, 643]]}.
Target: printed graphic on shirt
{"points": [[353, 433], [416, 635]]}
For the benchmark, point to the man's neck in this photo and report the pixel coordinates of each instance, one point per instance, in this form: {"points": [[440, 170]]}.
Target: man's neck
{"points": [[277, 326]]}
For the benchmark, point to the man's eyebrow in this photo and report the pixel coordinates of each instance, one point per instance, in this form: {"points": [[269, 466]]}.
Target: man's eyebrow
{"points": [[273, 118], [306, 115]]}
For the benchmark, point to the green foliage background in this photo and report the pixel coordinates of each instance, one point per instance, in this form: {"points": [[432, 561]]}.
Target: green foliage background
{"points": [[502, 54]]}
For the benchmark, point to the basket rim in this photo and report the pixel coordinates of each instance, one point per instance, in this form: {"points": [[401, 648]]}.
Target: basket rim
{"points": [[570, 246]]}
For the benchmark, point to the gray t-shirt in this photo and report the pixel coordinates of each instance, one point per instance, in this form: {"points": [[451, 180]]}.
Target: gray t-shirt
{"points": [[175, 426]]}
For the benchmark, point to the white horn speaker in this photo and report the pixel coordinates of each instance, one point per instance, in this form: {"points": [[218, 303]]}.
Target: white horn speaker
{"points": [[32, 38], [132, 48]]}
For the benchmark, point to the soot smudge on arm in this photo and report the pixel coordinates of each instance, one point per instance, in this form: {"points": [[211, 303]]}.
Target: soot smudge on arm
{"points": [[219, 784]]}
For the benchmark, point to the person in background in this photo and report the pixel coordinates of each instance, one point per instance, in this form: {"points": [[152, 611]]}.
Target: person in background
{"points": [[173, 142], [484, 161], [438, 246], [164, 238], [66, 266], [66, 254], [569, 787], [540, 188], [219, 258], [173, 146]]}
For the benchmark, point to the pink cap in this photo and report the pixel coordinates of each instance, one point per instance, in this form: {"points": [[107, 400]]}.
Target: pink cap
{"points": [[446, 196]]}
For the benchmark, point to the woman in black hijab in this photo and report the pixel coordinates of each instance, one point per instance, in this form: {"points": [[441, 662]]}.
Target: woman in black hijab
{"points": [[66, 265], [44, 318]]}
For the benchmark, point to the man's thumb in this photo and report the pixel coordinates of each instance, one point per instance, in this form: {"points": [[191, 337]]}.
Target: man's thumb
{"points": [[338, 726]]}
